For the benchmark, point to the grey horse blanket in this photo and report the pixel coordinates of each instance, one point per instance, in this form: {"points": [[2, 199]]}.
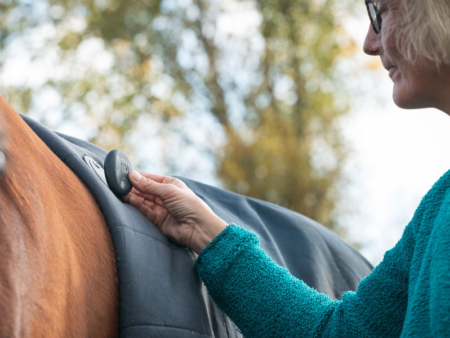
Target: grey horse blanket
{"points": [[160, 292]]}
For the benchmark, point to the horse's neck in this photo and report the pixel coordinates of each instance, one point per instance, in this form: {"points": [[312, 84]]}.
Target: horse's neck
{"points": [[57, 256]]}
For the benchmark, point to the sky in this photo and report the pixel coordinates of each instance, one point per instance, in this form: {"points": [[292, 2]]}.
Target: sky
{"points": [[396, 156]]}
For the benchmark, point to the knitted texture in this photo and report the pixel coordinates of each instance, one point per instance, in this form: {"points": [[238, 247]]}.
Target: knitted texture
{"points": [[406, 295]]}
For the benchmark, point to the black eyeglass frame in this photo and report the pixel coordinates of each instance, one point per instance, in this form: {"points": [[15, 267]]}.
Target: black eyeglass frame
{"points": [[374, 16]]}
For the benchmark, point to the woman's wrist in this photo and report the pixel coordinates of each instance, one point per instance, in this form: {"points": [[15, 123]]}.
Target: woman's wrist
{"points": [[207, 231]]}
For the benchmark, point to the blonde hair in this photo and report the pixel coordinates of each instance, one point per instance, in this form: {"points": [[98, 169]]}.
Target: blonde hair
{"points": [[424, 31]]}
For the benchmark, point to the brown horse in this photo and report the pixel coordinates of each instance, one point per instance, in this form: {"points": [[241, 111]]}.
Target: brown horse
{"points": [[58, 273]]}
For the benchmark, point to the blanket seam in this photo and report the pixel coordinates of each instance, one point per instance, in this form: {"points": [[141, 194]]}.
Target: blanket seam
{"points": [[147, 235]]}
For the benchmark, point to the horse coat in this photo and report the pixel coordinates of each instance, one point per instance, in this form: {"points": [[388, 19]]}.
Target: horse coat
{"points": [[160, 293]]}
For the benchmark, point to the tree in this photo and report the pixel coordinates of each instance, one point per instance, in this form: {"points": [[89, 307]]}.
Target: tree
{"points": [[269, 96]]}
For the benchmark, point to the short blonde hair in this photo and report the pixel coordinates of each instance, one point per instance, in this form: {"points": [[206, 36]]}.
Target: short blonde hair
{"points": [[424, 31]]}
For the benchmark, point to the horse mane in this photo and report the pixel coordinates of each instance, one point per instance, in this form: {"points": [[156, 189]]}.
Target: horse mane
{"points": [[57, 265]]}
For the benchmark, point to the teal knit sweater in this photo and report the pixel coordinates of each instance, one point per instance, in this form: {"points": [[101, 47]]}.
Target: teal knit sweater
{"points": [[406, 295]]}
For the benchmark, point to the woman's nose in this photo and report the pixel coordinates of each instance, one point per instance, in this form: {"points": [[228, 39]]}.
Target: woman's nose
{"points": [[372, 44]]}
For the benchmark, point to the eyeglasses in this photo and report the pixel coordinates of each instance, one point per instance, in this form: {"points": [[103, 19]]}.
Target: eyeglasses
{"points": [[374, 16]]}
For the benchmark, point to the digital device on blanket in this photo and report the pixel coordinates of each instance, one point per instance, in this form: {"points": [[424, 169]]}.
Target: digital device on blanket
{"points": [[117, 167], [114, 173]]}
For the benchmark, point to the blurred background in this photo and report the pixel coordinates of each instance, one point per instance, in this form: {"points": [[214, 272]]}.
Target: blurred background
{"points": [[273, 99]]}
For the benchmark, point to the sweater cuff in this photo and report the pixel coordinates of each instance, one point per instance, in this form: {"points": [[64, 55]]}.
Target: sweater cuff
{"points": [[222, 251]]}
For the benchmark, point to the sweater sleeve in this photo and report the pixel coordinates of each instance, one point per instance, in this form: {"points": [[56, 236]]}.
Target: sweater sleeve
{"points": [[264, 300], [439, 276]]}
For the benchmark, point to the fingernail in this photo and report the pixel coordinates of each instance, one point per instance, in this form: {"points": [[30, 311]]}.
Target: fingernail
{"points": [[136, 176]]}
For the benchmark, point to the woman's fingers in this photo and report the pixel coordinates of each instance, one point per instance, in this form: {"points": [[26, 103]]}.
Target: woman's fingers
{"points": [[174, 208], [141, 194], [164, 179], [153, 210], [138, 199], [146, 197], [144, 206], [149, 186], [155, 177]]}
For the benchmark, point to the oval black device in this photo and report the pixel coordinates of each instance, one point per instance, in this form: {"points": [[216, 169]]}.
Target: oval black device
{"points": [[117, 167]]}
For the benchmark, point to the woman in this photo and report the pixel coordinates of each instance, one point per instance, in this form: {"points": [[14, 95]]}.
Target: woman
{"points": [[408, 293]]}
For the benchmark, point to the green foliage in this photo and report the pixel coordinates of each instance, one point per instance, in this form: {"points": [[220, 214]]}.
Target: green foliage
{"points": [[272, 95], [294, 156]]}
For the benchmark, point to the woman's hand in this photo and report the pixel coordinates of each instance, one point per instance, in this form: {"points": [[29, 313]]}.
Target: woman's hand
{"points": [[175, 209]]}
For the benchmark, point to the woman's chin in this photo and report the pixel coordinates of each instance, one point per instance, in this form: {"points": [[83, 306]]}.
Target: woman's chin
{"points": [[406, 99], [413, 94], [401, 102]]}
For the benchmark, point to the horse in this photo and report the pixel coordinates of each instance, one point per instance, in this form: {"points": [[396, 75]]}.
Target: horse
{"points": [[58, 274]]}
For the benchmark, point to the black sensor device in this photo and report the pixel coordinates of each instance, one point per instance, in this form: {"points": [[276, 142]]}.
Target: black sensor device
{"points": [[117, 167]]}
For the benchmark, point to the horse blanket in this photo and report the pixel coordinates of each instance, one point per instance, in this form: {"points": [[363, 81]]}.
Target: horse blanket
{"points": [[160, 294]]}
